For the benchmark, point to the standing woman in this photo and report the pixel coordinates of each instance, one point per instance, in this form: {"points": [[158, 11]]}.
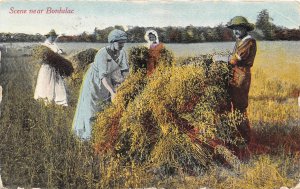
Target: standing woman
{"points": [[155, 48], [242, 60], [98, 88], [50, 84]]}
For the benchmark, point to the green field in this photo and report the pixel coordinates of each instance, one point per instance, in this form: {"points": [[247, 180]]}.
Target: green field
{"points": [[37, 148]]}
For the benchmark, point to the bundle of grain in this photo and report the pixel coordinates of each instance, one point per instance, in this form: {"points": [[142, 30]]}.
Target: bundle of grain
{"points": [[166, 57], [82, 59], [46, 56], [127, 92], [139, 57], [170, 123]]}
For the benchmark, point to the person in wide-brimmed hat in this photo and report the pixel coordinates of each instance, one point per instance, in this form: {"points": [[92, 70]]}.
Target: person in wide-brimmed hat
{"points": [[240, 21], [100, 81], [242, 59], [50, 41], [51, 33], [50, 85]]}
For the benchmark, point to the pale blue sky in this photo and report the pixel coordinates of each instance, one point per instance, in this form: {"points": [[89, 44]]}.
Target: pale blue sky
{"points": [[90, 14]]}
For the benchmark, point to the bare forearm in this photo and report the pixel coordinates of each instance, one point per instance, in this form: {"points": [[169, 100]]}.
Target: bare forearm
{"points": [[107, 86]]}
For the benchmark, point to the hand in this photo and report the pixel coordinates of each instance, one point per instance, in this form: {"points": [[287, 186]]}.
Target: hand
{"points": [[233, 59], [112, 96], [60, 51]]}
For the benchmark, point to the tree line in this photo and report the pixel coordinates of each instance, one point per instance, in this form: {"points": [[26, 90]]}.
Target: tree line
{"points": [[265, 30]]}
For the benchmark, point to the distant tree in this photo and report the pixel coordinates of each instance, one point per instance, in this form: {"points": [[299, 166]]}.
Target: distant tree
{"points": [[101, 35], [136, 35], [223, 33], [171, 34], [287, 34], [263, 22], [190, 34], [211, 34], [161, 32], [119, 27], [175, 35], [202, 37], [85, 37]]}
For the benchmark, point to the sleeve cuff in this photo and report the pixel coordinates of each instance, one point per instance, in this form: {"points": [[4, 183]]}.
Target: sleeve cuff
{"points": [[237, 56], [233, 60]]}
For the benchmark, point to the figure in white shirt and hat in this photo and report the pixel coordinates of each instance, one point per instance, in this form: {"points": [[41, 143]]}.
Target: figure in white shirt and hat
{"points": [[50, 84]]}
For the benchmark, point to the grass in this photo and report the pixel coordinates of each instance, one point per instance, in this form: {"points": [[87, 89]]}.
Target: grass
{"points": [[37, 146], [38, 149]]}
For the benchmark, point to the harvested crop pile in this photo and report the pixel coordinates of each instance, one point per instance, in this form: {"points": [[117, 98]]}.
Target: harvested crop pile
{"points": [[139, 56], [46, 56], [82, 59], [167, 122]]}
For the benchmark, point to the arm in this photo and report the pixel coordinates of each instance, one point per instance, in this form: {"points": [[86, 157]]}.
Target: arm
{"points": [[234, 59], [243, 52], [102, 64], [124, 66], [108, 87], [57, 49], [60, 51]]}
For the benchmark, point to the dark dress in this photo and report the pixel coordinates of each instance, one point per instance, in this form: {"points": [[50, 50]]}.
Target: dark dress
{"points": [[242, 60]]}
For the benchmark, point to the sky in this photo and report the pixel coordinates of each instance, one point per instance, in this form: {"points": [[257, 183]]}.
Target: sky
{"points": [[90, 14]]}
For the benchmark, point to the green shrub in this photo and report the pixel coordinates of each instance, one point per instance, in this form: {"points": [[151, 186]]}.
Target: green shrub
{"points": [[37, 147]]}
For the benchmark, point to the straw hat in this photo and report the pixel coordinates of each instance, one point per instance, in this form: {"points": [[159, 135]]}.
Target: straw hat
{"points": [[240, 21], [51, 33]]}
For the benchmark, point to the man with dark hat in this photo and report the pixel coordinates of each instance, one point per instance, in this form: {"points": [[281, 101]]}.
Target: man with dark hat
{"points": [[242, 59]]}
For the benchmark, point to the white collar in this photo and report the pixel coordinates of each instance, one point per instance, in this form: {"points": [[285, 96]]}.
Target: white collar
{"points": [[247, 37]]}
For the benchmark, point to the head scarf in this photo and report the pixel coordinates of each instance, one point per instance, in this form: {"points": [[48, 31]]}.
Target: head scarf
{"points": [[116, 35], [147, 37]]}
